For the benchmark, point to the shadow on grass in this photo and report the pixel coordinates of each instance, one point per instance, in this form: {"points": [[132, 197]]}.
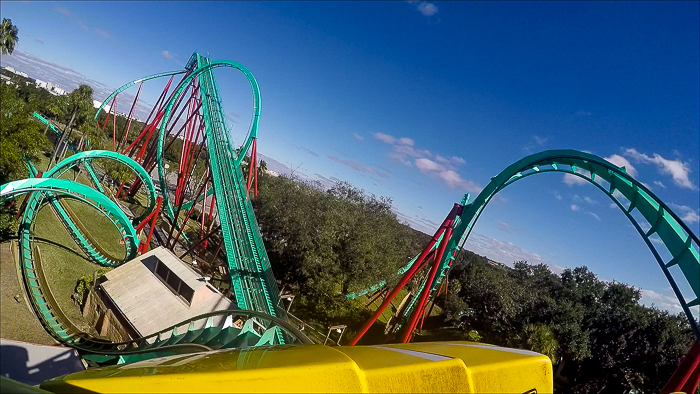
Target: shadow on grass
{"points": [[50, 242]]}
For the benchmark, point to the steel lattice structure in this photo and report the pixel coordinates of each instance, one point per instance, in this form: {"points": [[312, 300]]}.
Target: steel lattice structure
{"points": [[654, 218], [205, 130]]}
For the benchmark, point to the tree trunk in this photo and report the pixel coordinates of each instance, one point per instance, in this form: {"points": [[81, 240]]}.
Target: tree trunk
{"points": [[46, 130], [62, 139]]}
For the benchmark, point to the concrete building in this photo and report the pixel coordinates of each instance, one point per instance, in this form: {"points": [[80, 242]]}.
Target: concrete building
{"points": [[40, 84], [96, 104], [148, 294]]}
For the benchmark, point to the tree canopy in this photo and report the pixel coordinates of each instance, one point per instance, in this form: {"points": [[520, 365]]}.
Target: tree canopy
{"points": [[9, 36], [327, 243], [605, 339]]}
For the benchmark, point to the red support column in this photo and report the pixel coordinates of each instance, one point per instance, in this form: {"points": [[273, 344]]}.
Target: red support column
{"points": [[143, 248], [108, 113], [131, 113], [409, 274], [687, 374], [426, 290]]}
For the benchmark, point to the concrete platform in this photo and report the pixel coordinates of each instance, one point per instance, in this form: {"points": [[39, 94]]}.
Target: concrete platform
{"points": [[32, 364]]}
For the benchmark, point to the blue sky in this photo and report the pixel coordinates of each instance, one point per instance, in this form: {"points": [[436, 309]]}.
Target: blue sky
{"points": [[425, 101]]}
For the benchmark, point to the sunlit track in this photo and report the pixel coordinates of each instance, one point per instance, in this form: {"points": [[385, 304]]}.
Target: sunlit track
{"points": [[647, 213], [210, 331], [195, 100]]}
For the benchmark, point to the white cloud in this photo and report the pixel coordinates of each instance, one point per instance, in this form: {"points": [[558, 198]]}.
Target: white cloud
{"points": [[359, 137], [102, 33], [594, 215], [590, 200], [358, 166], [660, 184], [678, 170], [405, 141], [167, 55], [405, 152], [454, 180], [686, 213], [442, 159], [426, 165], [457, 160], [63, 10], [622, 162], [577, 208], [425, 8], [557, 195], [385, 138], [571, 179], [661, 301], [504, 226], [540, 140], [505, 252]]}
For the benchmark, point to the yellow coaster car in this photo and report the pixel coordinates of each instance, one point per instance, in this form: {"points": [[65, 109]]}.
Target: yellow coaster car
{"points": [[446, 367]]}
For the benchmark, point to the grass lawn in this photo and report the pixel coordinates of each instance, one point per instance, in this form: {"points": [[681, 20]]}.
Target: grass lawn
{"points": [[17, 320], [64, 261]]}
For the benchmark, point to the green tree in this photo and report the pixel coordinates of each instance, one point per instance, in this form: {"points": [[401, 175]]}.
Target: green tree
{"points": [[19, 138], [326, 243], [540, 338], [9, 36], [20, 135], [79, 108]]}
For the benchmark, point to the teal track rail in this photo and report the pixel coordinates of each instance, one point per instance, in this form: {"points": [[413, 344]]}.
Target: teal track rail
{"points": [[647, 213], [252, 280], [132, 83], [85, 158], [215, 330], [53, 128]]}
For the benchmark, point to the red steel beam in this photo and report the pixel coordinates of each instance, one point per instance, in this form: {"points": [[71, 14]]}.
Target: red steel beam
{"points": [[408, 275]]}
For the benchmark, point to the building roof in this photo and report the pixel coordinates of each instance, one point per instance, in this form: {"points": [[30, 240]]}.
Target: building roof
{"points": [[151, 305]]}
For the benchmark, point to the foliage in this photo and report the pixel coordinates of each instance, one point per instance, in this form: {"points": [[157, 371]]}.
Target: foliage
{"points": [[605, 338], [20, 135], [84, 283], [8, 223], [79, 105], [117, 171], [328, 243], [9, 35], [539, 338]]}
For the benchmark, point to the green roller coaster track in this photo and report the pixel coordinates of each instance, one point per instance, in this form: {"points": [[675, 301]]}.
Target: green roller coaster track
{"points": [[85, 157], [626, 192], [252, 279], [210, 331]]}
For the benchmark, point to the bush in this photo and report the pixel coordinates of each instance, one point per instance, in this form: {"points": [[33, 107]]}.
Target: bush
{"points": [[84, 283]]}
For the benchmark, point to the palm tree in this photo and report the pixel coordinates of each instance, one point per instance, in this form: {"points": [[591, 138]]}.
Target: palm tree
{"points": [[79, 105], [8, 36]]}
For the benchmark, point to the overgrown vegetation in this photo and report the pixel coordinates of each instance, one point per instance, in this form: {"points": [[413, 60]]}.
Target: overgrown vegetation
{"points": [[324, 244], [607, 341], [84, 283]]}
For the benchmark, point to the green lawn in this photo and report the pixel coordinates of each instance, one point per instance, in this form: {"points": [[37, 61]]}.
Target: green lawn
{"points": [[64, 262], [17, 320]]}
